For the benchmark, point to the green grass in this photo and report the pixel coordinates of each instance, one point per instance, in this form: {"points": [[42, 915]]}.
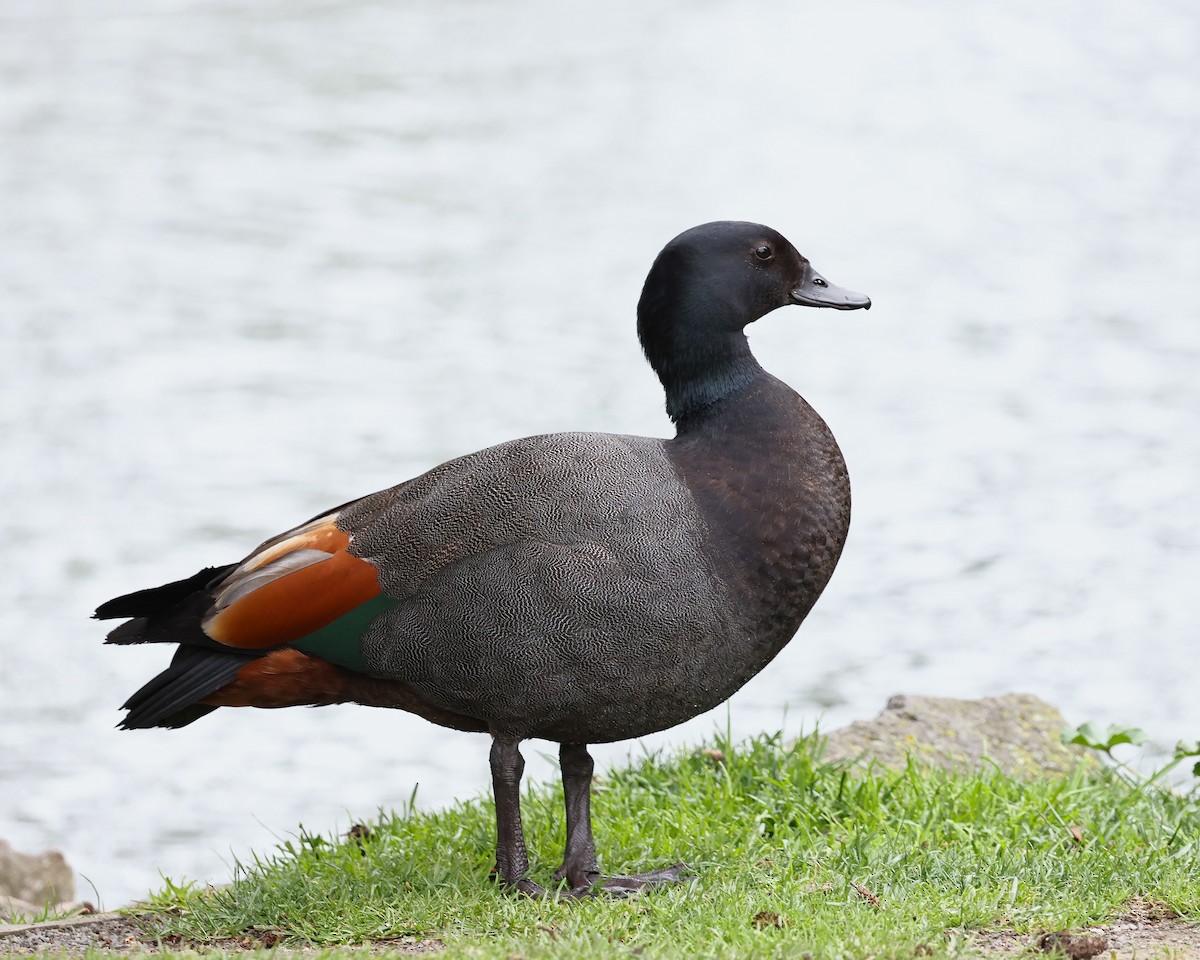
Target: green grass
{"points": [[768, 831]]}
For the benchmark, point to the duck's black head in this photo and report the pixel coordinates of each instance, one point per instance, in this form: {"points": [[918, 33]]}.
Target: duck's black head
{"points": [[704, 288]]}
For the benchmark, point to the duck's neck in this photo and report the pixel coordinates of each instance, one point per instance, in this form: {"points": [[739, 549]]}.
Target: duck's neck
{"points": [[758, 414], [698, 367], [698, 384]]}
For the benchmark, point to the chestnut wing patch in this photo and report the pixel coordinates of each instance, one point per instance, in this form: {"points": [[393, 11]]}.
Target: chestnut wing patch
{"points": [[303, 588]]}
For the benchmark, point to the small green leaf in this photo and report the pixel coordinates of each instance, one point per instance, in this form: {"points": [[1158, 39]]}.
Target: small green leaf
{"points": [[1133, 735], [1098, 737], [1086, 734]]}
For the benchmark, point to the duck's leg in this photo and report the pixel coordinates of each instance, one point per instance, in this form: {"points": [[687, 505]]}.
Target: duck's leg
{"points": [[512, 861], [579, 866]]}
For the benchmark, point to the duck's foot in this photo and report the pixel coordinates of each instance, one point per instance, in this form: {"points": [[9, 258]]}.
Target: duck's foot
{"points": [[592, 882], [522, 885]]}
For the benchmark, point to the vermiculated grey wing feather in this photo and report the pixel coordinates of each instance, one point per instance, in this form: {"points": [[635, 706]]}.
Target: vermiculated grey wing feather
{"points": [[537, 577]]}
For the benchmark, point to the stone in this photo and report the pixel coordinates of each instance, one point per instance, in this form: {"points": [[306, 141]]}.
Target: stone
{"points": [[13, 910], [1017, 734], [37, 878]]}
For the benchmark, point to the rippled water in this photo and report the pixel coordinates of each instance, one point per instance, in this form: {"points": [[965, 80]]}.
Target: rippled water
{"points": [[258, 259]]}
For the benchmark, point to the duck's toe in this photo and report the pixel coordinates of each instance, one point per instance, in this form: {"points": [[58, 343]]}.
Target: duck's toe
{"points": [[623, 885], [522, 885]]}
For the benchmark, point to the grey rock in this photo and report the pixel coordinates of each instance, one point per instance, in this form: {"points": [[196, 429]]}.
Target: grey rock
{"points": [[1018, 734], [37, 878], [12, 909]]}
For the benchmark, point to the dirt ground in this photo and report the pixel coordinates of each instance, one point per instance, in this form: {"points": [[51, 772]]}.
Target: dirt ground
{"points": [[121, 934], [1144, 932], [1123, 939]]}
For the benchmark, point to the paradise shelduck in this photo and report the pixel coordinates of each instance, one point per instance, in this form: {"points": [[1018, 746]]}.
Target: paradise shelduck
{"points": [[576, 587]]}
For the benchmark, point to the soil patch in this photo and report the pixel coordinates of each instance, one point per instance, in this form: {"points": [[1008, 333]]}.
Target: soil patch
{"points": [[120, 933], [1146, 931]]}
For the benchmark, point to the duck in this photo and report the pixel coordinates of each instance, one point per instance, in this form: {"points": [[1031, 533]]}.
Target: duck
{"points": [[579, 588]]}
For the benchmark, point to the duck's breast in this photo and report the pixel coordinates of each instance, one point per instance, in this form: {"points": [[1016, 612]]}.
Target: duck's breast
{"points": [[773, 492]]}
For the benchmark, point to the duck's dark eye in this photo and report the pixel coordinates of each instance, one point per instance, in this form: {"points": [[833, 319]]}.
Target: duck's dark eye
{"points": [[819, 282], [764, 252]]}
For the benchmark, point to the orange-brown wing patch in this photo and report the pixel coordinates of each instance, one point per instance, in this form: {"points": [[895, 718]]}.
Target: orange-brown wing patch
{"points": [[290, 587]]}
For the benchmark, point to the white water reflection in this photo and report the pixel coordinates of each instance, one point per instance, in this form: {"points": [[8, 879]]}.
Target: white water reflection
{"points": [[255, 261]]}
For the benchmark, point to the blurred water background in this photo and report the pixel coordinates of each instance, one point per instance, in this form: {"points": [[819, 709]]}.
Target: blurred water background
{"points": [[257, 259]]}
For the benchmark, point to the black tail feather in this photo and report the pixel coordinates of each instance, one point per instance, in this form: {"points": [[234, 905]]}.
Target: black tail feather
{"points": [[131, 631], [172, 613], [170, 699], [178, 624], [157, 600]]}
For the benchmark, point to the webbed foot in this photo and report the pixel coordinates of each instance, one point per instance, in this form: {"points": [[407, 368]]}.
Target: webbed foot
{"points": [[591, 882]]}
